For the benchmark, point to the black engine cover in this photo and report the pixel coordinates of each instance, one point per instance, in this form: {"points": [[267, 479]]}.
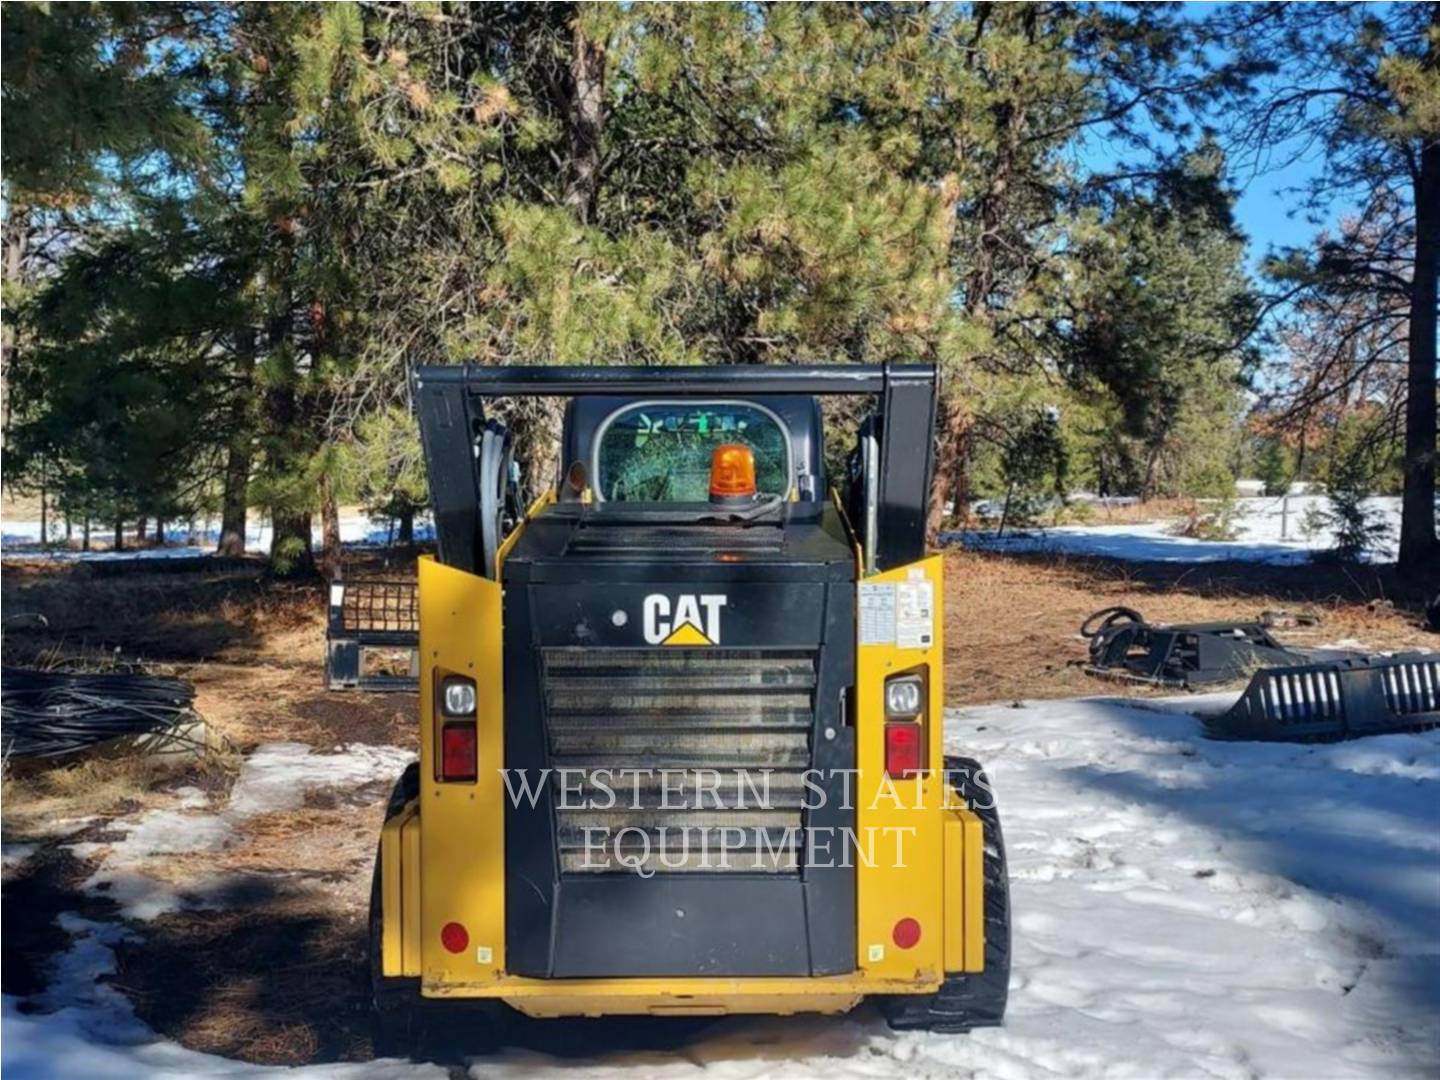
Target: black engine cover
{"points": [[651, 641]]}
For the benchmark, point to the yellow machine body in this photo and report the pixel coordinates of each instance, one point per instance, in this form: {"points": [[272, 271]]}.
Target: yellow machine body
{"points": [[443, 856]]}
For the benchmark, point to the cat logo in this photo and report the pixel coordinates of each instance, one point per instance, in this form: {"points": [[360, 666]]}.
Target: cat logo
{"points": [[681, 623]]}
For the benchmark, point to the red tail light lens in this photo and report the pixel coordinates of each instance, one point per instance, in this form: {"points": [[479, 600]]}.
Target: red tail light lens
{"points": [[904, 749], [457, 751]]}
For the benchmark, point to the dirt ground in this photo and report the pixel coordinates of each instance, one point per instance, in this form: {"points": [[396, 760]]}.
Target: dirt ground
{"points": [[1012, 621], [278, 975]]}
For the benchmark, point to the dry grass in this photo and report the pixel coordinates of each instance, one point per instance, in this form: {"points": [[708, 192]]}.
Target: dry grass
{"points": [[41, 799], [278, 976], [317, 842], [1011, 623], [159, 616]]}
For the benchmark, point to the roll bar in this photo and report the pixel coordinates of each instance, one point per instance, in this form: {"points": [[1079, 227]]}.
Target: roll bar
{"points": [[568, 381]]}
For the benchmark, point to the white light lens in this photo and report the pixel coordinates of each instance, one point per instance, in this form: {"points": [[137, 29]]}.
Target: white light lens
{"points": [[902, 696], [459, 697]]}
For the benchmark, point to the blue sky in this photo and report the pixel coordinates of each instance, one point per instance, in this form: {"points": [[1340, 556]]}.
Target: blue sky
{"points": [[1267, 209], [1267, 213]]}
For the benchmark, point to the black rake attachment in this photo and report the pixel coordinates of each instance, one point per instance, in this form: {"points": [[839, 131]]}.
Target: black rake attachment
{"points": [[1293, 694]]}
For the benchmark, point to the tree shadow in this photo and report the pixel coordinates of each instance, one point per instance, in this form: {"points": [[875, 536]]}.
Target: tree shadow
{"points": [[152, 610], [1356, 822], [274, 977]]}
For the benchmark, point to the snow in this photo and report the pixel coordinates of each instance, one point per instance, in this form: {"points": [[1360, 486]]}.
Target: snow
{"points": [[1268, 530], [276, 776], [20, 539], [13, 856], [1182, 907], [1232, 908]]}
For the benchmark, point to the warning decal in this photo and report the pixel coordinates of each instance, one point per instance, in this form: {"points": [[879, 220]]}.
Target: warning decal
{"points": [[877, 614], [914, 614], [900, 614]]}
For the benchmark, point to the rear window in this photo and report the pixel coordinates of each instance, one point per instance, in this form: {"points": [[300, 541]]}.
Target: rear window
{"points": [[660, 451]]}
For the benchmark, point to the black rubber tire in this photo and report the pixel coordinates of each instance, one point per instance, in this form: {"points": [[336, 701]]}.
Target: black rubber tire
{"points": [[391, 999], [404, 1024], [965, 1002], [1098, 622]]}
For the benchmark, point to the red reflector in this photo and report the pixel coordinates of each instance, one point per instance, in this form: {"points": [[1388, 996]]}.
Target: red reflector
{"points": [[457, 752], [906, 934], [903, 745], [454, 937]]}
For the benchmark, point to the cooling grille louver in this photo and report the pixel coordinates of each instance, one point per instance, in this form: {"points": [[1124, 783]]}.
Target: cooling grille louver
{"points": [[730, 728], [1336, 699]]}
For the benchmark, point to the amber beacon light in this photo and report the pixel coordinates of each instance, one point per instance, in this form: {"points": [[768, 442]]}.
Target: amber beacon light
{"points": [[732, 472]]}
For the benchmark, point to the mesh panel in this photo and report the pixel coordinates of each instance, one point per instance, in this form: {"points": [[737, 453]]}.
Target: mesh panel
{"points": [[391, 606]]}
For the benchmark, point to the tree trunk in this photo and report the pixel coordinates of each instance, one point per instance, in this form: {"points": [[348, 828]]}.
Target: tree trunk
{"points": [[1152, 463], [119, 544], [407, 528], [1418, 547], [947, 482], [142, 527], [330, 558], [85, 533], [237, 482], [159, 532], [534, 426], [290, 546], [584, 121], [290, 551], [17, 239]]}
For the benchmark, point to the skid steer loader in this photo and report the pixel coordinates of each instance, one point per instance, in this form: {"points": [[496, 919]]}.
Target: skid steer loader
{"points": [[681, 720]]}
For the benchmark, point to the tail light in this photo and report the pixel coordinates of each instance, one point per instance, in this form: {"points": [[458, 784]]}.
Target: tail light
{"points": [[905, 725], [458, 757], [904, 749], [457, 751]]}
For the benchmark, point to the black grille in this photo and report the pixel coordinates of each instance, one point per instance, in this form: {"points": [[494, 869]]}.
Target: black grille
{"points": [[730, 728], [675, 541], [1412, 687]]}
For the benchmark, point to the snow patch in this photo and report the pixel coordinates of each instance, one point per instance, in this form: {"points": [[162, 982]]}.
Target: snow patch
{"points": [[1274, 914], [1268, 530], [22, 539], [277, 776]]}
